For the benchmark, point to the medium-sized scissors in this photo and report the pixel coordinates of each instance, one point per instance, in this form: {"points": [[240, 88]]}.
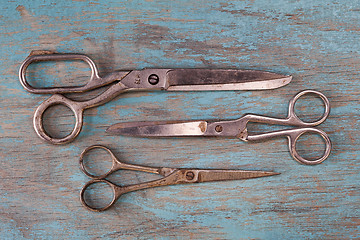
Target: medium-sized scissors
{"points": [[235, 128], [138, 80], [171, 176]]}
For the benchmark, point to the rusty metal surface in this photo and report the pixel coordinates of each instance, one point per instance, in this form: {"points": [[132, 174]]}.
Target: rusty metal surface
{"points": [[171, 176], [237, 128], [144, 80]]}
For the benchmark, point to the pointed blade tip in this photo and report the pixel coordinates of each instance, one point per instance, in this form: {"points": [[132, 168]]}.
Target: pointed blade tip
{"points": [[271, 173], [288, 79], [108, 130], [280, 82], [264, 174]]}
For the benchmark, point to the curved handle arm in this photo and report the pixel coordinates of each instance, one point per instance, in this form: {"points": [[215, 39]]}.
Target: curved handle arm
{"points": [[116, 164], [293, 135], [292, 119], [76, 107]]}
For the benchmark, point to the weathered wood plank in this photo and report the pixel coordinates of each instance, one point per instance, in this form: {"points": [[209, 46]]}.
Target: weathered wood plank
{"points": [[316, 42]]}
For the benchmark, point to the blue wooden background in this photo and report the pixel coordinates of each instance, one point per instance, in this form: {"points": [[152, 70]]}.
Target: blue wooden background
{"points": [[315, 41]]}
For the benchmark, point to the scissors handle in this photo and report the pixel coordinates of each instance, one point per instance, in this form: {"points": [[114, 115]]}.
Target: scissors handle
{"points": [[116, 164], [175, 177], [76, 107], [293, 136], [95, 80], [116, 193], [292, 119], [172, 176]]}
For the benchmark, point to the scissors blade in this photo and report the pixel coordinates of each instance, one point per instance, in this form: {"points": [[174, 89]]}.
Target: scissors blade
{"points": [[224, 79], [225, 175], [231, 128], [159, 128]]}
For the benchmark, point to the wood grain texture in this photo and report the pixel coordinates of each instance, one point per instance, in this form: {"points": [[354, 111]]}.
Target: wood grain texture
{"points": [[315, 41]]}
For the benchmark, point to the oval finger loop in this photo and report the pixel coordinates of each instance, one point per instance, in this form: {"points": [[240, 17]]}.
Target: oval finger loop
{"points": [[296, 120], [86, 167], [293, 138], [95, 195], [44, 56], [55, 100]]}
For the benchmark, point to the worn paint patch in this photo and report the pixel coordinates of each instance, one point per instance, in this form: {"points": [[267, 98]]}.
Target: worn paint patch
{"points": [[316, 42]]}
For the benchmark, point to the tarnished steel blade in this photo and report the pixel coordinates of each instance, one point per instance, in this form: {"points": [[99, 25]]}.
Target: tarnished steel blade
{"points": [[159, 129], [224, 175], [224, 79]]}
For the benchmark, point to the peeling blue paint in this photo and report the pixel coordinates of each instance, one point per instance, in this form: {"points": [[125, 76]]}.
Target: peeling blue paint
{"points": [[316, 42]]}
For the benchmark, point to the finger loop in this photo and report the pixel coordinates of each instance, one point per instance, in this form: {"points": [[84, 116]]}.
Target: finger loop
{"points": [[83, 165], [93, 208], [51, 56], [293, 138], [296, 120], [54, 100]]}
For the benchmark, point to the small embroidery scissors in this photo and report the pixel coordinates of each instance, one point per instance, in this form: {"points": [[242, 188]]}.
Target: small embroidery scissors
{"points": [[235, 128], [138, 80], [171, 176]]}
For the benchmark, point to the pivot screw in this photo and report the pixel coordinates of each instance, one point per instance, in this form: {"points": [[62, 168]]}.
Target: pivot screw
{"points": [[218, 128], [153, 79], [190, 175]]}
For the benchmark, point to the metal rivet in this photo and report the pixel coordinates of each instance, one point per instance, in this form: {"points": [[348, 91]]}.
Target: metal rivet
{"points": [[153, 79], [218, 128], [190, 175]]}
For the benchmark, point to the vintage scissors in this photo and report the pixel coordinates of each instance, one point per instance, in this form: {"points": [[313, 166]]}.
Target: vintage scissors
{"points": [[171, 176], [139, 80], [235, 128]]}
